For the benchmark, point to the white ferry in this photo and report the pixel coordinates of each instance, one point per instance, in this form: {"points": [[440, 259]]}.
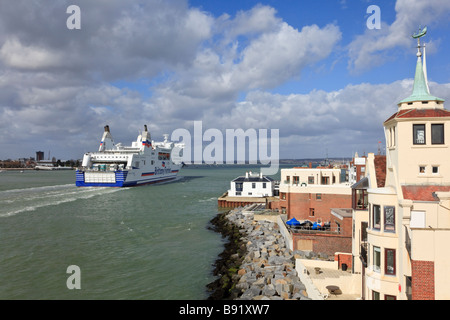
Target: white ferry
{"points": [[144, 162]]}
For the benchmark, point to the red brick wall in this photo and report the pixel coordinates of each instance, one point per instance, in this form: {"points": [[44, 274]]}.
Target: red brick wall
{"points": [[325, 243], [298, 205], [344, 258], [422, 274]]}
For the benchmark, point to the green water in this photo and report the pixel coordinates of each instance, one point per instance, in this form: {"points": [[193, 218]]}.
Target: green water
{"points": [[148, 242]]}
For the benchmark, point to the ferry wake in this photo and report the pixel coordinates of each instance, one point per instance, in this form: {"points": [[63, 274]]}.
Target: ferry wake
{"points": [[144, 162]]}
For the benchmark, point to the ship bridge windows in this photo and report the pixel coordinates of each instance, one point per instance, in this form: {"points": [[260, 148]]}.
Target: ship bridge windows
{"points": [[108, 166], [163, 156]]}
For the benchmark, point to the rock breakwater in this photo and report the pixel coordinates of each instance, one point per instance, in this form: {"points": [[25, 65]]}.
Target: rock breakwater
{"points": [[256, 263]]}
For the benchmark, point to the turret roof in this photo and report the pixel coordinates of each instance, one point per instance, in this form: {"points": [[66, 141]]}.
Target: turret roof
{"points": [[420, 89]]}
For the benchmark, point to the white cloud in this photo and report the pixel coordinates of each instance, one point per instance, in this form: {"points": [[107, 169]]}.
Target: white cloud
{"points": [[16, 55], [218, 75], [58, 88], [371, 48], [342, 121]]}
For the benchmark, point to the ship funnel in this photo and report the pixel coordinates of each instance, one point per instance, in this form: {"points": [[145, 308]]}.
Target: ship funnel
{"points": [[107, 140]]}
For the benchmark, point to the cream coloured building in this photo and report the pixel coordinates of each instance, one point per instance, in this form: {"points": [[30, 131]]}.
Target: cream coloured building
{"points": [[409, 217]]}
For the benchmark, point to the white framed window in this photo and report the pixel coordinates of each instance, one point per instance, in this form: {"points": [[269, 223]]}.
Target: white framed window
{"points": [[435, 169], [376, 259], [418, 134]]}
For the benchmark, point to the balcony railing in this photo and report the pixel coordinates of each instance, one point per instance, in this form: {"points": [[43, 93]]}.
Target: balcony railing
{"points": [[309, 230]]}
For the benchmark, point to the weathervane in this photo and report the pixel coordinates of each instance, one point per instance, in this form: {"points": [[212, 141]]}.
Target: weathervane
{"points": [[419, 35]]}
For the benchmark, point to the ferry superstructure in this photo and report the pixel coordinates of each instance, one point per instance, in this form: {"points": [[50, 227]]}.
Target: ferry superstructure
{"points": [[144, 162]]}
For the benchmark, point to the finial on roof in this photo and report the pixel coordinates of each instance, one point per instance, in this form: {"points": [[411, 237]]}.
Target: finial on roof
{"points": [[420, 88]]}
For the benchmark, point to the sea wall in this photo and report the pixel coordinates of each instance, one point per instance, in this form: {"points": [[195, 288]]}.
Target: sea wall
{"points": [[256, 264]]}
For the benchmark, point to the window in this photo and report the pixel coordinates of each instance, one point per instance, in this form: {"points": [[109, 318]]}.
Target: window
{"points": [[295, 179], [389, 297], [253, 185], [310, 180], [393, 136], [283, 196], [375, 295], [288, 179], [389, 218], [311, 212], [437, 133], [389, 264], [376, 219], [325, 180], [421, 169], [239, 186], [419, 134], [435, 169], [318, 196], [376, 259], [359, 200], [264, 185], [363, 231]]}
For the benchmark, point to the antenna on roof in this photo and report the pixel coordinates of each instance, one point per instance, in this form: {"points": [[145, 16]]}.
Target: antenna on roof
{"points": [[425, 68]]}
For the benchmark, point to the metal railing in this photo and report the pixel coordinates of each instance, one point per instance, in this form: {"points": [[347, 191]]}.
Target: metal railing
{"points": [[310, 230]]}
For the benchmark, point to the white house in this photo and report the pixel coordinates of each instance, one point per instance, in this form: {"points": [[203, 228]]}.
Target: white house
{"points": [[252, 185]]}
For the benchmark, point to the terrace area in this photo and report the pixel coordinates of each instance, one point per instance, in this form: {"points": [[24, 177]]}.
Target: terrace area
{"points": [[317, 275]]}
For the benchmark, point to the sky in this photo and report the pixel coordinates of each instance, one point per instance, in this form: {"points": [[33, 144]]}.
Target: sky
{"points": [[314, 70]]}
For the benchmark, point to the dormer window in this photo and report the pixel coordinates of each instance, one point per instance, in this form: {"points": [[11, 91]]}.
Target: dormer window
{"points": [[419, 134]]}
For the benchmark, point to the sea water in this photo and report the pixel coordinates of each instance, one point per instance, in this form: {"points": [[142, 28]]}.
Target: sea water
{"points": [[147, 242]]}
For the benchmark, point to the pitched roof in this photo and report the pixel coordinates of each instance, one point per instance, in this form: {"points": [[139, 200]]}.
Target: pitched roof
{"points": [[423, 192], [419, 113]]}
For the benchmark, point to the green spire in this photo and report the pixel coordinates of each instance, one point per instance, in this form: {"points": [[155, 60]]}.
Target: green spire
{"points": [[420, 89]]}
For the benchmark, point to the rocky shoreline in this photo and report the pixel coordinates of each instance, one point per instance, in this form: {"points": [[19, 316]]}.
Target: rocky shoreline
{"points": [[256, 263]]}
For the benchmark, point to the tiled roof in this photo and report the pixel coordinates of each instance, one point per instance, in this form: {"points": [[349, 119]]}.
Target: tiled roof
{"points": [[422, 193], [420, 113], [380, 170]]}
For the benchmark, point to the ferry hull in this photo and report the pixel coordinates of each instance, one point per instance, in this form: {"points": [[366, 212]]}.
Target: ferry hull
{"points": [[119, 179]]}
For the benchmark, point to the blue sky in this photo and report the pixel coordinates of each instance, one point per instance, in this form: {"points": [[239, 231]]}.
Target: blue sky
{"points": [[311, 69]]}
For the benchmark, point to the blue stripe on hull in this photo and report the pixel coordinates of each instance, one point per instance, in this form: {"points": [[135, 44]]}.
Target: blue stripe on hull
{"points": [[120, 181]]}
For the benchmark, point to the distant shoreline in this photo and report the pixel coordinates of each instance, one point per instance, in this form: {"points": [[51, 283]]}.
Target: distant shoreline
{"points": [[22, 169]]}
